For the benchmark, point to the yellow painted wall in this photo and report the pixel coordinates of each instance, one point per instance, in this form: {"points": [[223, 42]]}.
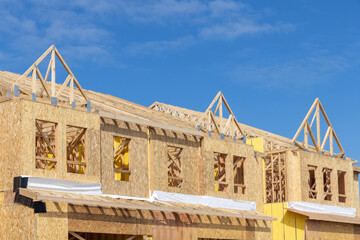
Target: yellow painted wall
{"points": [[289, 226], [258, 143]]}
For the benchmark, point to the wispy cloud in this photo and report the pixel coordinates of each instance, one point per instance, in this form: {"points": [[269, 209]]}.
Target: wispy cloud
{"points": [[156, 47], [294, 74], [242, 27], [89, 24]]}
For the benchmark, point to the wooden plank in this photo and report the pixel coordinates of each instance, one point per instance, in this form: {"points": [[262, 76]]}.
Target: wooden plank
{"points": [[42, 82], [158, 206], [53, 72], [302, 125], [63, 86], [76, 163], [77, 236], [325, 138]]}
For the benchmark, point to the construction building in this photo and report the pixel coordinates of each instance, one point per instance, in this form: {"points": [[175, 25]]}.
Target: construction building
{"points": [[77, 164]]}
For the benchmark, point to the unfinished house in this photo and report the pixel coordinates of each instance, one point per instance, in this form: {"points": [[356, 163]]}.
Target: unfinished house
{"points": [[311, 189], [78, 164]]}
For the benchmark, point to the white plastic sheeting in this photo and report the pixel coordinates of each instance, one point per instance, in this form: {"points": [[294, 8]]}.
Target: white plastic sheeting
{"points": [[321, 208], [208, 201], [60, 185]]}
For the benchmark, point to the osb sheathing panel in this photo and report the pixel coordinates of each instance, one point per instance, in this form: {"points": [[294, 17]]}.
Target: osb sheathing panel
{"points": [[138, 184], [356, 191], [54, 223], [17, 222], [233, 228], [20, 222], [31, 110], [10, 142], [252, 170], [190, 156], [293, 173], [163, 225], [331, 231], [322, 161]]}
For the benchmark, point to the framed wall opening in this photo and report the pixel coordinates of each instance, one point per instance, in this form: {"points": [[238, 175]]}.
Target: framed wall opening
{"points": [[341, 186], [175, 178], [75, 149], [327, 184], [220, 172], [46, 145], [239, 174], [312, 181], [121, 159], [275, 177]]}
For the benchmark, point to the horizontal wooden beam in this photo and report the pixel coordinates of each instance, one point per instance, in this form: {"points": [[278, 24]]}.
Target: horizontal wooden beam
{"points": [[117, 203]]}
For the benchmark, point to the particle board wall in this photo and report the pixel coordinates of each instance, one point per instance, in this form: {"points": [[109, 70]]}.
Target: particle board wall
{"points": [[322, 161], [54, 223], [163, 226], [293, 176], [316, 230], [190, 156], [356, 191], [252, 170], [10, 150], [137, 185], [20, 222], [25, 143]]}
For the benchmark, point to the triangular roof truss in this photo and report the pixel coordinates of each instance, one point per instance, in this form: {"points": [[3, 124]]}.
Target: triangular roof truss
{"points": [[306, 127], [230, 126], [37, 76]]}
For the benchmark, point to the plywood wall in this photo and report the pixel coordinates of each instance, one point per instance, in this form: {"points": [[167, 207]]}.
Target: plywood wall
{"points": [[331, 231], [252, 170], [322, 161], [11, 147], [138, 158], [20, 222], [190, 156], [24, 144], [163, 226]]}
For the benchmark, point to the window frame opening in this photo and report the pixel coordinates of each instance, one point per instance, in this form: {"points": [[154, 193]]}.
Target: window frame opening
{"points": [[76, 149], [220, 172], [174, 169], [239, 174], [312, 182], [46, 145], [341, 186], [121, 158], [327, 184]]}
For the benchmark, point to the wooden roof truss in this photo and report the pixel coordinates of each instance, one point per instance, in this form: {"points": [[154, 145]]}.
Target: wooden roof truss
{"points": [[211, 121], [315, 137], [229, 127], [51, 91]]}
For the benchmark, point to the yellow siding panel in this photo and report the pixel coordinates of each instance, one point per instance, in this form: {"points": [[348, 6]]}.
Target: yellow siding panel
{"points": [[288, 225], [258, 143]]}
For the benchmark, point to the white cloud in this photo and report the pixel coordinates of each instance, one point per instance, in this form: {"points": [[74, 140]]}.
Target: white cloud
{"points": [[156, 47], [241, 27], [294, 74], [90, 23]]}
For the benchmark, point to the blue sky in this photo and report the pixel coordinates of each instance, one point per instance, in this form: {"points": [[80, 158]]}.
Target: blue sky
{"points": [[271, 59]]}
